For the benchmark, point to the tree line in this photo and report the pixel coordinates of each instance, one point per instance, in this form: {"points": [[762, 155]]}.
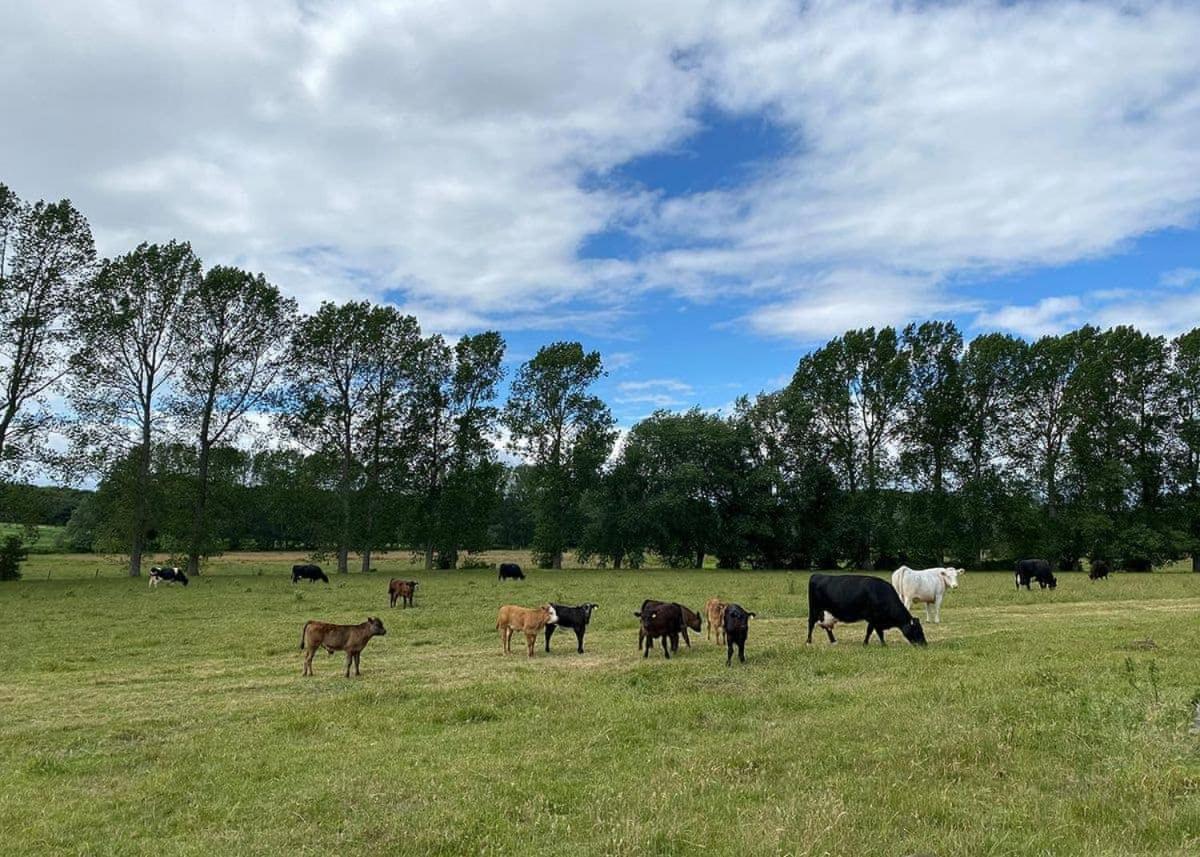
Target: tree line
{"points": [[216, 416]]}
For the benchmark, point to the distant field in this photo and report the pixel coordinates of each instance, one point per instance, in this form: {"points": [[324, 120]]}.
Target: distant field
{"points": [[43, 542], [175, 721]]}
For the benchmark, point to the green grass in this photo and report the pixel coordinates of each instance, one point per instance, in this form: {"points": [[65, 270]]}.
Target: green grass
{"points": [[44, 540], [175, 721]]}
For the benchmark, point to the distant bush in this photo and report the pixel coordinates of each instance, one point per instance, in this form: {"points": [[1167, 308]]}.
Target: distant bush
{"points": [[12, 554], [472, 562]]}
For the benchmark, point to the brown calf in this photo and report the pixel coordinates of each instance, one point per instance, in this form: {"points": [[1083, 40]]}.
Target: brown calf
{"points": [[529, 621], [714, 609], [404, 589], [351, 639]]}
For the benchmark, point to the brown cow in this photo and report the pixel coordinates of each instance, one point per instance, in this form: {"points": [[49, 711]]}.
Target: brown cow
{"points": [[351, 639], [690, 619], [404, 589], [529, 621], [714, 609]]}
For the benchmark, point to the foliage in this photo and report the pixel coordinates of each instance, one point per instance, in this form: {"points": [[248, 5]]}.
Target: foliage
{"points": [[12, 554]]}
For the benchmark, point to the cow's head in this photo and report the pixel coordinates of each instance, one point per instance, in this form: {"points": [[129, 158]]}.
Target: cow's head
{"points": [[913, 632], [1053, 582], [376, 627], [693, 620], [950, 575], [551, 614], [587, 610]]}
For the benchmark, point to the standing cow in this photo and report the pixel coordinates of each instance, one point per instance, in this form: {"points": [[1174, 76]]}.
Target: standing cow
{"points": [[576, 618], [927, 586], [308, 571], [834, 598], [164, 574], [1099, 571], [402, 590], [351, 639], [510, 571], [736, 623], [659, 620], [1035, 569], [529, 621], [714, 611]]}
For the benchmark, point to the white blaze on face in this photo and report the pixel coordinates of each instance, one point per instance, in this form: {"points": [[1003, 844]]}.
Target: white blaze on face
{"points": [[553, 620], [828, 620]]}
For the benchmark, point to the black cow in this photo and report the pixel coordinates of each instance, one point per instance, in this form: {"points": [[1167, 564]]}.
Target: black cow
{"points": [[834, 598], [659, 620], [167, 574], [311, 573], [691, 619], [510, 571], [1035, 569], [1099, 571], [736, 624], [576, 618]]}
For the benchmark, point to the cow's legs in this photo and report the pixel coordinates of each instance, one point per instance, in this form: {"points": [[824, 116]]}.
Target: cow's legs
{"points": [[579, 639], [879, 631], [685, 639], [349, 661], [308, 656], [530, 639], [728, 650], [549, 634], [742, 651], [357, 660], [648, 641], [812, 622], [937, 610], [870, 631]]}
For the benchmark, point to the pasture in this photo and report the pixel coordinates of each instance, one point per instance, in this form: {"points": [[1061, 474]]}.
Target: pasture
{"points": [[176, 721]]}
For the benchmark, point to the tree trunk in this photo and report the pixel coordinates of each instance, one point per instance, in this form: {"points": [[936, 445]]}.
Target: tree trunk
{"points": [[366, 560], [1196, 562], [558, 555], [343, 559], [198, 512], [139, 506], [429, 556], [699, 557]]}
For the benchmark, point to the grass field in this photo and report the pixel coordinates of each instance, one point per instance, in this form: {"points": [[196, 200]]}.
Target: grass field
{"points": [[44, 540], [175, 721]]}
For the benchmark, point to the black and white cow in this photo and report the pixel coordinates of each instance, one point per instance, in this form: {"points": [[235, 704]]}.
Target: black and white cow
{"points": [[1035, 569], [167, 574], [834, 598], [309, 572], [575, 618], [736, 624], [510, 571]]}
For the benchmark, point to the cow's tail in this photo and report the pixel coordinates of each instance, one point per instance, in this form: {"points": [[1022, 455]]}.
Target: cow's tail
{"points": [[304, 631]]}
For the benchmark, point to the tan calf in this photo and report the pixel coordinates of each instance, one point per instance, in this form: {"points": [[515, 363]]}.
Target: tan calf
{"points": [[714, 610], [529, 621], [402, 589], [351, 639]]}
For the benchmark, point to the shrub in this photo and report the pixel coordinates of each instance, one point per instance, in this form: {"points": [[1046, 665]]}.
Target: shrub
{"points": [[12, 554], [472, 562]]}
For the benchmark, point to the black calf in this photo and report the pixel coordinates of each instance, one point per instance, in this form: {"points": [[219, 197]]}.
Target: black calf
{"points": [[736, 625]]}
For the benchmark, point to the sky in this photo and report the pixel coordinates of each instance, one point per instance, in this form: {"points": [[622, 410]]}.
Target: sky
{"points": [[702, 191]]}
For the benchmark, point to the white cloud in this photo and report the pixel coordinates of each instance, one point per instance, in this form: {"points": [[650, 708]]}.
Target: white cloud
{"points": [[657, 392], [446, 155], [1165, 312], [831, 303]]}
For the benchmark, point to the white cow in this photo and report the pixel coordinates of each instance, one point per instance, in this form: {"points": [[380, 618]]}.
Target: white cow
{"points": [[927, 586]]}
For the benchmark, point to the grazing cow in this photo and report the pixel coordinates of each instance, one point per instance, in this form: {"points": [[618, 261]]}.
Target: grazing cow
{"points": [[736, 624], [834, 598], [510, 571], [402, 589], [167, 574], [927, 586], [714, 610], [351, 639], [659, 620], [575, 618], [1099, 571], [1035, 569], [530, 622], [691, 619], [309, 572]]}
